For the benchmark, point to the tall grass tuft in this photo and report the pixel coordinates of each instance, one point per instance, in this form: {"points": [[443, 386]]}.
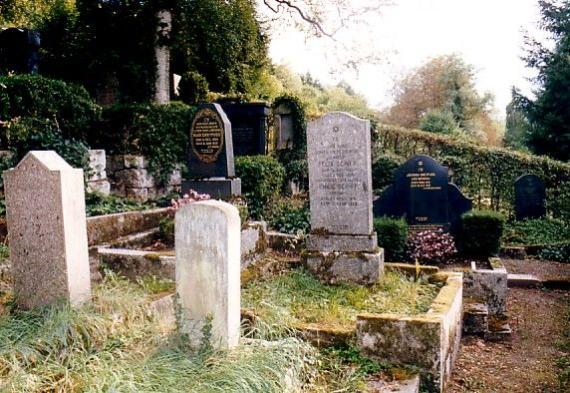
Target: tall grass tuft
{"points": [[113, 345]]}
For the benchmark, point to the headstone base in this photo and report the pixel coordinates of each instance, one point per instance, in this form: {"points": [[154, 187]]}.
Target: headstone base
{"points": [[217, 188], [350, 243], [364, 268]]}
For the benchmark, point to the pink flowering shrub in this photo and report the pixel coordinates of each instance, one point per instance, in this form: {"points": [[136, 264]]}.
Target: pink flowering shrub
{"points": [[191, 196], [431, 247]]}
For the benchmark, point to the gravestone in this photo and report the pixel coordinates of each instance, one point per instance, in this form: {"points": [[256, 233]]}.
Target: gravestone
{"points": [[249, 127], [421, 193], [530, 197], [459, 204], [208, 272], [45, 211], [19, 50], [210, 154], [284, 127], [342, 245]]}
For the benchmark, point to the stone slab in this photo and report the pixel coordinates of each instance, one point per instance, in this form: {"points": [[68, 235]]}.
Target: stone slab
{"points": [[343, 267], [523, 281], [329, 243], [340, 174], [45, 211], [207, 238], [216, 188]]}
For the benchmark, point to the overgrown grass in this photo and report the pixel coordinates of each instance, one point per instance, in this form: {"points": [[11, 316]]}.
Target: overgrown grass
{"points": [[113, 345], [538, 231], [297, 296]]}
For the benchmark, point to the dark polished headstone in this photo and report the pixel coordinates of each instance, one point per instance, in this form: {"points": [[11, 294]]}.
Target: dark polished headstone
{"points": [[422, 195], [530, 197], [210, 154], [249, 127], [19, 50], [421, 183]]}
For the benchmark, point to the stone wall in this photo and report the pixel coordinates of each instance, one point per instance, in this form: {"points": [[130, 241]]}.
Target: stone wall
{"points": [[428, 341], [129, 177], [97, 174], [487, 286]]}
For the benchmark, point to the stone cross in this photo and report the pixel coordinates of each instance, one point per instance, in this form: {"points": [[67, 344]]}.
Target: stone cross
{"points": [[45, 211], [208, 272]]}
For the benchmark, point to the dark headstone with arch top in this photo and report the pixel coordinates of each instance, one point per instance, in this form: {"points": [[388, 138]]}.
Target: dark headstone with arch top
{"points": [[530, 197]]}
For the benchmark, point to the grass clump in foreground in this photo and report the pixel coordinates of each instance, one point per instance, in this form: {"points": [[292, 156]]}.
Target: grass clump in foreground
{"points": [[113, 345], [298, 297]]}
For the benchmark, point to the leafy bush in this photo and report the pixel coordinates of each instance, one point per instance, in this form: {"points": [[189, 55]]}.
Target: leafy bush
{"points": [[558, 253], [536, 231], [68, 106], [393, 237], [383, 170], [166, 230], [431, 247], [97, 204], [20, 135], [438, 122], [261, 180], [159, 132], [290, 215], [485, 174], [193, 88], [481, 233]]}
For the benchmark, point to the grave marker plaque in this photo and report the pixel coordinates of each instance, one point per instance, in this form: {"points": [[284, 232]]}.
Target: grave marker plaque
{"points": [[530, 197], [210, 154]]}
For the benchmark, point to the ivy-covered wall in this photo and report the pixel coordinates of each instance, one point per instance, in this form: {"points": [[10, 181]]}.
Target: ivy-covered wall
{"points": [[485, 174]]}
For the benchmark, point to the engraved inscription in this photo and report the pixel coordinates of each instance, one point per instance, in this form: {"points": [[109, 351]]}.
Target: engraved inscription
{"points": [[207, 135]]}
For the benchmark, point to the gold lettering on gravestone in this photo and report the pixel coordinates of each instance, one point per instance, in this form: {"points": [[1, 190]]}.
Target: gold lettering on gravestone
{"points": [[207, 135]]}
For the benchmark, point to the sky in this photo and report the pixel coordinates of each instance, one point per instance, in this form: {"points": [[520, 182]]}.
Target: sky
{"points": [[487, 33]]}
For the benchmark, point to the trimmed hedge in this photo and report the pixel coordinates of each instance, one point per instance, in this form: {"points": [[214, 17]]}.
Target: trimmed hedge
{"points": [[383, 169], [261, 180], [485, 174], [393, 237], [69, 107], [481, 233], [159, 132]]}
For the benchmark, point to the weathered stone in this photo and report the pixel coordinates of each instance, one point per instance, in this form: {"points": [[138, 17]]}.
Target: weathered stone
{"points": [[45, 205], [208, 272], [429, 341], [162, 56], [328, 243], [475, 319], [97, 165], [175, 178], [100, 186], [488, 286], [340, 177], [253, 242], [342, 267], [130, 161], [135, 178]]}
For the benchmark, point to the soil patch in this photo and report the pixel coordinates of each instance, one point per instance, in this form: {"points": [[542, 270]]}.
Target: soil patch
{"points": [[539, 268], [527, 363]]}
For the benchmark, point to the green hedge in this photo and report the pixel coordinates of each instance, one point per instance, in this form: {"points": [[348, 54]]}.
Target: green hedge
{"points": [[38, 113], [159, 132], [383, 169], [393, 237], [261, 180], [68, 106], [290, 215], [481, 233], [485, 174]]}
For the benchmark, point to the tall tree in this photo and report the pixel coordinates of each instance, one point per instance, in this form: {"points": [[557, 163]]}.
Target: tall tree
{"points": [[548, 114], [443, 87]]}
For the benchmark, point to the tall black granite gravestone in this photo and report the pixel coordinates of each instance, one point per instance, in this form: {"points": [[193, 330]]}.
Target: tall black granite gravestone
{"points": [[249, 127], [19, 50], [421, 193], [530, 197], [210, 154]]}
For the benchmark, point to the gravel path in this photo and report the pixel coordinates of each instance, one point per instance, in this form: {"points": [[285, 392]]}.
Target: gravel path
{"points": [[527, 363]]}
